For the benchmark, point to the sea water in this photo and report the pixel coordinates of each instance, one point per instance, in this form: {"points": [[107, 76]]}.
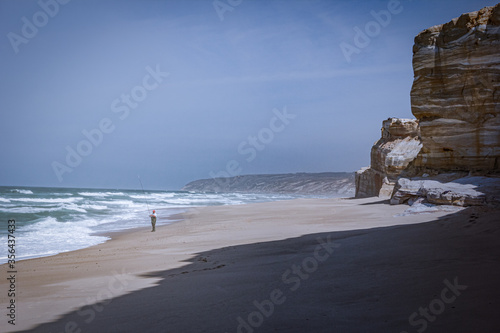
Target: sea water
{"points": [[54, 220]]}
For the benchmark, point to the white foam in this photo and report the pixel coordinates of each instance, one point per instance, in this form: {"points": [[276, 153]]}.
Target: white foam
{"points": [[28, 210], [122, 205], [4, 200], [153, 196], [100, 194], [140, 196], [96, 207], [51, 208], [48, 200], [22, 191], [74, 207], [48, 237], [203, 201], [164, 195], [93, 222]]}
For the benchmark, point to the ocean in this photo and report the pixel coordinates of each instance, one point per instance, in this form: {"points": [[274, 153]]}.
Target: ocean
{"points": [[54, 220]]}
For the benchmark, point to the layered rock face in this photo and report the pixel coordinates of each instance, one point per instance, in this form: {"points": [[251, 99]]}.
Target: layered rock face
{"points": [[398, 146], [455, 93], [455, 98]]}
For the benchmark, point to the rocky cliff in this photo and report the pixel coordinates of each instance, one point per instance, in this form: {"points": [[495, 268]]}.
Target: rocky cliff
{"points": [[456, 91], [398, 146], [455, 98], [338, 184]]}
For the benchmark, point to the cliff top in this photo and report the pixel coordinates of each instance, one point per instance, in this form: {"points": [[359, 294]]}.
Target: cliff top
{"points": [[442, 34]]}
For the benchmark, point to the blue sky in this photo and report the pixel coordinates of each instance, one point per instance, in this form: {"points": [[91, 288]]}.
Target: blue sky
{"points": [[175, 91]]}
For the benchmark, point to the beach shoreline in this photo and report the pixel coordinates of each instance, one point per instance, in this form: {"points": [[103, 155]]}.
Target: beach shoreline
{"points": [[88, 287], [173, 218]]}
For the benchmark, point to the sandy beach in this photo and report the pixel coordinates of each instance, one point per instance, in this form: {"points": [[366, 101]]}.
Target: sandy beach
{"points": [[306, 265]]}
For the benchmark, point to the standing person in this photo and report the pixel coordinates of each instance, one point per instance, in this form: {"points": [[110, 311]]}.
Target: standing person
{"points": [[153, 220]]}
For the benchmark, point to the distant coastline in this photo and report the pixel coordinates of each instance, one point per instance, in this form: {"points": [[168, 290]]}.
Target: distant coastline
{"points": [[337, 184]]}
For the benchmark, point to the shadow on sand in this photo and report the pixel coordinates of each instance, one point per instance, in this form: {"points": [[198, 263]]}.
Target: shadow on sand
{"points": [[372, 281]]}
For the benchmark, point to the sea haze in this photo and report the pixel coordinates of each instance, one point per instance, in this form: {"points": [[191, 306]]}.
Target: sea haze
{"points": [[55, 220]]}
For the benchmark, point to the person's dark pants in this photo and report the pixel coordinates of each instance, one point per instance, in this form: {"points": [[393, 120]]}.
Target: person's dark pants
{"points": [[153, 222]]}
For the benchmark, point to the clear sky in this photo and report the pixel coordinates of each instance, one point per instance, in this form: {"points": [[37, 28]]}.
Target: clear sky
{"points": [[96, 92]]}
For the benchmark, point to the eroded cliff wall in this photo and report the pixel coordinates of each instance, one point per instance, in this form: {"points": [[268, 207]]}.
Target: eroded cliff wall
{"points": [[455, 93], [390, 155], [455, 98]]}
